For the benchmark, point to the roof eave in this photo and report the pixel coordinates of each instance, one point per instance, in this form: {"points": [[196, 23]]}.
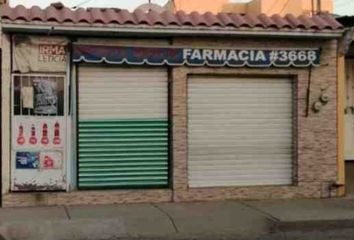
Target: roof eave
{"points": [[166, 31]]}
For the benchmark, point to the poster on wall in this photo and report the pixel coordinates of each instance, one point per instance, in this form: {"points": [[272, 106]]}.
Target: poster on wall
{"points": [[27, 160], [38, 95], [50, 160], [37, 132], [38, 152], [39, 53], [45, 96]]}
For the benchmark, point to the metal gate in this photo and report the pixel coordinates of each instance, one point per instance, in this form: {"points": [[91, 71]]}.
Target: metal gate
{"points": [[122, 128], [239, 131]]}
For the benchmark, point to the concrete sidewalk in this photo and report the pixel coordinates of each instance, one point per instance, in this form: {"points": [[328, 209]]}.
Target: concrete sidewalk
{"points": [[296, 219]]}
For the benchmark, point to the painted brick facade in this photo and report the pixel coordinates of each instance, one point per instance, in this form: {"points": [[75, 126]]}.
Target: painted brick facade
{"points": [[315, 134]]}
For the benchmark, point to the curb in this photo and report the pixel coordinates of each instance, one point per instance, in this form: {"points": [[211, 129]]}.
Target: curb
{"points": [[315, 225]]}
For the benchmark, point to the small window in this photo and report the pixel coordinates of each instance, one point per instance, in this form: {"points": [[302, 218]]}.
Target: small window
{"points": [[38, 95]]}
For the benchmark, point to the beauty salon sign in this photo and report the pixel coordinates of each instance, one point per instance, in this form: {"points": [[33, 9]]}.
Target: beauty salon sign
{"points": [[40, 54]]}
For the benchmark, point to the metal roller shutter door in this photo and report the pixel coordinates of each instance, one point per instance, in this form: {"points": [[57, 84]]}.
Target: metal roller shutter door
{"points": [[240, 131], [123, 127]]}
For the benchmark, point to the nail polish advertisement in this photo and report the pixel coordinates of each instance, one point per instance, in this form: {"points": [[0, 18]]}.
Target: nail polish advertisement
{"points": [[45, 139], [20, 137], [50, 160], [33, 138], [38, 133], [57, 140]]}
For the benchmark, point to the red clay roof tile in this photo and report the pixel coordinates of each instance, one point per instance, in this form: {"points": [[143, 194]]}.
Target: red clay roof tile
{"points": [[281, 22], [59, 14]]}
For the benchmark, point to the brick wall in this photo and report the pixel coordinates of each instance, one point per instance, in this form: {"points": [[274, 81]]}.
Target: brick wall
{"points": [[315, 134]]}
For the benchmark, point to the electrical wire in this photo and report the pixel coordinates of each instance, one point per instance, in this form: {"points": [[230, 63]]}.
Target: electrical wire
{"points": [[81, 3], [285, 5], [174, 5]]}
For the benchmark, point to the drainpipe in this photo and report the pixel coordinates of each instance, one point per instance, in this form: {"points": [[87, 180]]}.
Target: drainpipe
{"points": [[312, 7], [319, 7]]}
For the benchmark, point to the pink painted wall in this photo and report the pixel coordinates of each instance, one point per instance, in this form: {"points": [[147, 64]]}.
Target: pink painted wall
{"points": [[213, 6], [269, 7]]}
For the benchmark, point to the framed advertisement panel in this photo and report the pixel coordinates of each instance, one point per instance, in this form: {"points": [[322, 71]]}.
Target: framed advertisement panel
{"points": [[38, 142]]}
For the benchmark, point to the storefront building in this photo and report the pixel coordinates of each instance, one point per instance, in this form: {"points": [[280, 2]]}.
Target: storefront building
{"points": [[345, 70], [106, 106]]}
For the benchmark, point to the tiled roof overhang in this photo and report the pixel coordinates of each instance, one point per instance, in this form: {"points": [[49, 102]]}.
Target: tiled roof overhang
{"points": [[58, 19], [346, 21]]}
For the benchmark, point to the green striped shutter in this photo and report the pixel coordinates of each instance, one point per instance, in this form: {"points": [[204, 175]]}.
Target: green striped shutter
{"points": [[122, 128]]}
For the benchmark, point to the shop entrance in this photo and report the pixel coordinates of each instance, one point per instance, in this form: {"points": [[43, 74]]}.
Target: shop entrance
{"points": [[122, 127], [240, 131]]}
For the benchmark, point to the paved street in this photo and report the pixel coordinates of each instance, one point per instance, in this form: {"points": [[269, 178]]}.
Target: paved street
{"points": [[297, 219]]}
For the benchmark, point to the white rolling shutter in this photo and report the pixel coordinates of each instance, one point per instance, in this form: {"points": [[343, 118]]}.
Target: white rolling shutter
{"points": [[240, 131], [123, 93]]}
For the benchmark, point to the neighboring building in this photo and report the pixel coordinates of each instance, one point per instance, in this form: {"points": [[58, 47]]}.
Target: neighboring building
{"points": [[166, 107], [201, 6], [346, 68], [269, 7], [282, 7]]}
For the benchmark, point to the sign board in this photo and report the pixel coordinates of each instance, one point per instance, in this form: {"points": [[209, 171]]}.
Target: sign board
{"points": [[196, 56], [39, 53]]}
